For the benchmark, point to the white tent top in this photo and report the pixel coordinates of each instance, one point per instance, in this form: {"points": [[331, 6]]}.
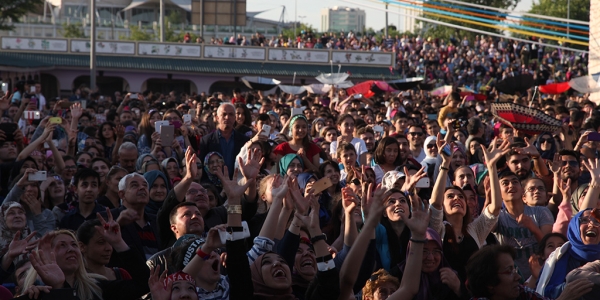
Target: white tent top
{"points": [[99, 3], [185, 4]]}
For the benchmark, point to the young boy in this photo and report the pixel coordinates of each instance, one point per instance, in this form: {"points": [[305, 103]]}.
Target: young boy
{"points": [[346, 155]]}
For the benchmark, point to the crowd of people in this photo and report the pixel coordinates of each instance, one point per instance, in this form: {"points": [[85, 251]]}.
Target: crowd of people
{"points": [[252, 196]]}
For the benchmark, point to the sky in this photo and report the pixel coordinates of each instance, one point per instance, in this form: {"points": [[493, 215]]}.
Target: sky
{"points": [[309, 11]]}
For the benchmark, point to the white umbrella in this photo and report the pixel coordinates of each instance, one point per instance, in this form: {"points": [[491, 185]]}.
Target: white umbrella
{"points": [[585, 84], [292, 89], [344, 85], [317, 88], [260, 83], [442, 91], [332, 78]]}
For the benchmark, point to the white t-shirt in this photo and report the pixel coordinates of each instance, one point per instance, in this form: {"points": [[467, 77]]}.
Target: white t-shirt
{"points": [[359, 145]]}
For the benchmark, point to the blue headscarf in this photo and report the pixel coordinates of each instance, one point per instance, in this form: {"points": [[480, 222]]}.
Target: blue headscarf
{"points": [[284, 163], [579, 250], [303, 179], [324, 215], [153, 206]]}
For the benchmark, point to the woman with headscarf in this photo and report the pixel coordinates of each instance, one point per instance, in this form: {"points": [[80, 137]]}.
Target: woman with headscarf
{"points": [[158, 187], [546, 145], [431, 153], [12, 220], [290, 164], [170, 167], [438, 279], [583, 247], [213, 161], [300, 144], [142, 159]]}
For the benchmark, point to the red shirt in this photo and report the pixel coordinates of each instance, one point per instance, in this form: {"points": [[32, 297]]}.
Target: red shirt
{"points": [[284, 148]]}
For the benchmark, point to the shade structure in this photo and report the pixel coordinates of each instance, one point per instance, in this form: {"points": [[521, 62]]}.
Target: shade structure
{"points": [[292, 89], [370, 88], [442, 91], [555, 88], [585, 84], [318, 88], [523, 118], [515, 84], [344, 85], [332, 78], [405, 84], [260, 83]]}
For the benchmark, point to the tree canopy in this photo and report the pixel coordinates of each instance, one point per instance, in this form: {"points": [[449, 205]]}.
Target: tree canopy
{"points": [[14, 9]]}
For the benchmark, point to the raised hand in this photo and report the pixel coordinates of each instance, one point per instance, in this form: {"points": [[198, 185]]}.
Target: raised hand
{"points": [[76, 111], [530, 149], [373, 204], [127, 217], [191, 170], [576, 289], [230, 186], [450, 278], [111, 231], [534, 265], [213, 238], [34, 291], [25, 178], [441, 143], [417, 219], [565, 188], [279, 188], [349, 200], [495, 153], [312, 220], [35, 205], [45, 264], [251, 166], [593, 165], [411, 180], [119, 131], [300, 201], [555, 165], [5, 101], [157, 286], [20, 246]]}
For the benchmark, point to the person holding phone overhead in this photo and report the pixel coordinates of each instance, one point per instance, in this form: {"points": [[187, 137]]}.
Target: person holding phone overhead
{"points": [[300, 144]]}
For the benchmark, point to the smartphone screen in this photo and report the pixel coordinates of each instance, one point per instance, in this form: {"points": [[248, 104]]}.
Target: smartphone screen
{"points": [[321, 185], [167, 134], [594, 136]]}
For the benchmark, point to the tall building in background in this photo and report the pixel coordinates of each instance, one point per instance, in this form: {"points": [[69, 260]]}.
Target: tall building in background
{"points": [[409, 22], [339, 18]]}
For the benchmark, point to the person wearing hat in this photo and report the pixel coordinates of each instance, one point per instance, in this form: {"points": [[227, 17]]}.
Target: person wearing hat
{"points": [[177, 286]]}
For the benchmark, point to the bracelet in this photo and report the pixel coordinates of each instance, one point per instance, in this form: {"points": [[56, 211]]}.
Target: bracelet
{"points": [[232, 229], [444, 168], [234, 209], [202, 255], [418, 241], [325, 258], [317, 238]]}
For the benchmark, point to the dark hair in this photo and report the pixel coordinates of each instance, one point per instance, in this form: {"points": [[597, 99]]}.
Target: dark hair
{"points": [[324, 165], [506, 173], [569, 153], [263, 118], [87, 230], [343, 117], [482, 269], [247, 114], [474, 126], [213, 189], [380, 150], [542, 243], [84, 173], [173, 212]]}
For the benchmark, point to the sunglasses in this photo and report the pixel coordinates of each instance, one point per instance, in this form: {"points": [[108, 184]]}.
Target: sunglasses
{"points": [[355, 181], [429, 146], [571, 163], [549, 140], [416, 133]]}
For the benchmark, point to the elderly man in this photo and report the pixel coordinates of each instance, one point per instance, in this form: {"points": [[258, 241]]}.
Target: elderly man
{"points": [[138, 228], [224, 140], [128, 154]]}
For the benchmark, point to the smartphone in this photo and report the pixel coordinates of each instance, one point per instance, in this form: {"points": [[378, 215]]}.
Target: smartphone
{"points": [[447, 151], [66, 105], [378, 128], [266, 130], [32, 115], [84, 104], [32, 89], [133, 96], [594, 136], [56, 120], [187, 119], [423, 183], [37, 176], [167, 134], [176, 124], [158, 124], [5, 87], [296, 111], [321, 185], [9, 129], [357, 96]]}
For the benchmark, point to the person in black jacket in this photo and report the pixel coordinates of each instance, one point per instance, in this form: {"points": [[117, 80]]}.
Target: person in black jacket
{"points": [[224, 140]]}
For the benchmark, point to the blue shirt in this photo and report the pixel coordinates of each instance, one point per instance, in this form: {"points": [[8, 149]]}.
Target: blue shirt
{"points": [[227, 151]]}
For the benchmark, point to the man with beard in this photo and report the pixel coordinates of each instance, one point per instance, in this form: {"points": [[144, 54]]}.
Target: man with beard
{"points": [[416, 137], [368, 135], [520, 226], [87, 183], [405, 154], [519, 161]]}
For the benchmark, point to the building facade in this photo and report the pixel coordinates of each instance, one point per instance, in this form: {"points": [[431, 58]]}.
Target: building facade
{"points": [[339, 18]]}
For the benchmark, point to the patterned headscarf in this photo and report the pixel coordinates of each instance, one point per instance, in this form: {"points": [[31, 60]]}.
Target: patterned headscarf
{"points": [[213, 178]]}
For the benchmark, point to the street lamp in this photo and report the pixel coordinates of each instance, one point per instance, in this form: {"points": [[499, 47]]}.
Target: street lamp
{"points": [[301, 19]]}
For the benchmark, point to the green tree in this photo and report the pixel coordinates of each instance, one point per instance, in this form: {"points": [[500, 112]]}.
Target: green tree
{"points": [[445, 32], [290, 32], [73, 30], [578, 10], [138, 34], [14, 9]]}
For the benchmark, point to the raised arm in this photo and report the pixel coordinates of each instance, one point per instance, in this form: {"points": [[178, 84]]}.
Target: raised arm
{"points": [[249, 170], [35, 144], [591, 198], [279, 188], [437, 194], [191, 170], [491, 158]]}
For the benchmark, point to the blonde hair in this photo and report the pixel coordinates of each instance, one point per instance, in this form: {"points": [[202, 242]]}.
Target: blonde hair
{"points": [[378, 279], [262, 190], [85, 283]]}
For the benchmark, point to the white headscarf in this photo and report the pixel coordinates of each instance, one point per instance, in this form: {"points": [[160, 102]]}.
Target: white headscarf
{"points": [[428, 159]]}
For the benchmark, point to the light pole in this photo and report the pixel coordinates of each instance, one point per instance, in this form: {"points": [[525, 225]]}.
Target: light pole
{"points": [[568, 17], [162, 21], [295, 16], [92, 44], [301, 20]]}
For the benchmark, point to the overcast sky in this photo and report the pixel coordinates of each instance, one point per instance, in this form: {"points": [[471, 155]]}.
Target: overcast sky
{"points": [[311, 10]]}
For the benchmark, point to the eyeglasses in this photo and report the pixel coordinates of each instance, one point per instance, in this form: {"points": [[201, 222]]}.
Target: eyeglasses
{"points": [[532, 189], [416, 133], [510, 271], [429, 146], [355, 181], [548, 140], [435, 252], [587, 220], [571, 163], [71, 167]]}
